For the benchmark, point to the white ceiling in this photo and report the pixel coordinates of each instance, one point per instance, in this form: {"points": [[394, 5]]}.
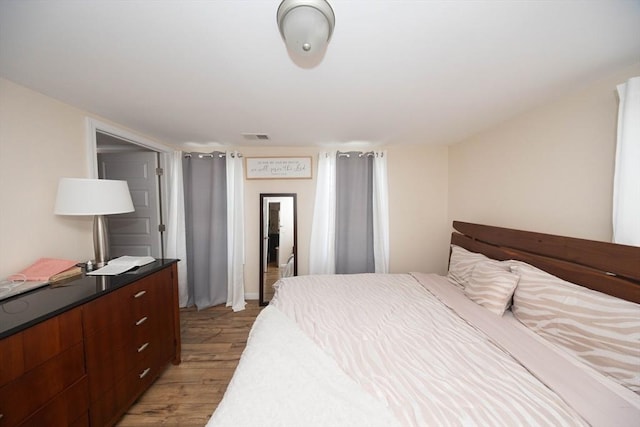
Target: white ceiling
{"points": [[429, 72]]}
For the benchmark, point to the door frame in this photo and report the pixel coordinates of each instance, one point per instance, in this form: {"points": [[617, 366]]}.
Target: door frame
{"points": [[94, 126]]}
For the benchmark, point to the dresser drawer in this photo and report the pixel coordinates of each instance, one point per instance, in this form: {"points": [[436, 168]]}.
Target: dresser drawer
{"points": [[25, 395], [139, 379], [25, 350], [12, 357], [126, 305], [110, 352], [69, 408], [127, 384], [120, 306], [106, 367]]}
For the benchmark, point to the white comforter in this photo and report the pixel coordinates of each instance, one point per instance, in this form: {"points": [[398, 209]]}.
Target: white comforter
{"points": [[284, 379], [382, 345]]}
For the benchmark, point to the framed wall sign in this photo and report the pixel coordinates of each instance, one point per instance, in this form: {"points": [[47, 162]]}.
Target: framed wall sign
{"points": [[278, 167]]}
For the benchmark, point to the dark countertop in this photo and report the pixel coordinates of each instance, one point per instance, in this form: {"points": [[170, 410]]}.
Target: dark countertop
{"points": [[23, 311]]}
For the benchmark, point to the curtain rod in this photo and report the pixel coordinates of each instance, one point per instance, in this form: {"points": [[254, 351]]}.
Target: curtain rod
{"points": [[210, 155], [360, 154]]}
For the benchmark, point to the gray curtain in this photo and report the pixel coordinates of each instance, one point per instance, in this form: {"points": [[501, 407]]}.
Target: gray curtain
{"points": [[354, 213], [205, 197]]}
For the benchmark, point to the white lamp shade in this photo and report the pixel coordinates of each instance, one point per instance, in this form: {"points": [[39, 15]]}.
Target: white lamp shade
{"points": [[79, 196]]}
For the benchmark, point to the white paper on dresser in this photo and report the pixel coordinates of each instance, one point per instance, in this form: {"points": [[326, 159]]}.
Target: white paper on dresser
{"points": [[121, 264]]}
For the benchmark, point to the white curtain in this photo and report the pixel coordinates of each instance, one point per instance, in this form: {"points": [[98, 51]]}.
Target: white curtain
{"points": [[626, 186], [235, 231], [380, 213], [323, 228], [175, 233]]}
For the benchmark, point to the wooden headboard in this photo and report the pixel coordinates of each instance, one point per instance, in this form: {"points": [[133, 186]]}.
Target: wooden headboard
{"points": [[605, 267]]}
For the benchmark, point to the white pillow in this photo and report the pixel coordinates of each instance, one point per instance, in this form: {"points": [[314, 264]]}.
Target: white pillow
{"points": [[492, 285], [461, 265], [601, 330]]}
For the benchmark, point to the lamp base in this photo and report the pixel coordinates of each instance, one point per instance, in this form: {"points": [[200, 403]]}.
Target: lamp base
{"points": [[100, 241]]}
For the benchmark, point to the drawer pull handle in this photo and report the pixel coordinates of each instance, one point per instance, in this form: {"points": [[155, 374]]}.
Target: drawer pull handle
{"points": [[144, 373], [139, 294], [141, 321], [142, 347]]}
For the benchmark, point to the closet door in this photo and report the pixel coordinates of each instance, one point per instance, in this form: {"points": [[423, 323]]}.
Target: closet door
{"points": [[136, 233]]}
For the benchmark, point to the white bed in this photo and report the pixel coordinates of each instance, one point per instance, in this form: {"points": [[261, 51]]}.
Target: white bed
{"points": [[421, 349]]}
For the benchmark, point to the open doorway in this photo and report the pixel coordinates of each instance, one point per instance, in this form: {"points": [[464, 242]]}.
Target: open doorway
{"points": [[120, 155]]}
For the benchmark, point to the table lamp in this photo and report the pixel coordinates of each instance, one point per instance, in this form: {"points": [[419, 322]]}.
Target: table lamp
{"points": [[97, 197]]}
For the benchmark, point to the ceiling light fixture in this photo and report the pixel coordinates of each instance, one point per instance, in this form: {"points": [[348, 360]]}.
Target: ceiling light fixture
{"points": [[306, 27]]}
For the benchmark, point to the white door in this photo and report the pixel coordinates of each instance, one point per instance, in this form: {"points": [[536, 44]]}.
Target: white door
{"points": [[136, 233]]}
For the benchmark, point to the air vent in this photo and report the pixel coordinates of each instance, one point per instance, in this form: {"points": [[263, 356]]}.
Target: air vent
{"points": [[256, 136]]}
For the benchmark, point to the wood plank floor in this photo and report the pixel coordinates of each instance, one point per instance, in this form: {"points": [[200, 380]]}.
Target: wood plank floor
{"points": [[271, 276], [186, 395]]}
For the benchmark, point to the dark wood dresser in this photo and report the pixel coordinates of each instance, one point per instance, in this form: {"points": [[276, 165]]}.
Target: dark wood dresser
{"points": [[82, 353]]}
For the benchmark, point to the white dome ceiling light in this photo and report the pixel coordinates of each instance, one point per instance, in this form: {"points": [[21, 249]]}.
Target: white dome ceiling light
{"points": [[306, 27]]}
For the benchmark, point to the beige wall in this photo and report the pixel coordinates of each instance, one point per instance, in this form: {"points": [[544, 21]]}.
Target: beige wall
{"points": [[41, 140], [550, 170], [418, 221]]}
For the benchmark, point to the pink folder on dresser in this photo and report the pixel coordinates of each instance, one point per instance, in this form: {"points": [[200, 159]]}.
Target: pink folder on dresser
{"points": [[43, 269]]}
